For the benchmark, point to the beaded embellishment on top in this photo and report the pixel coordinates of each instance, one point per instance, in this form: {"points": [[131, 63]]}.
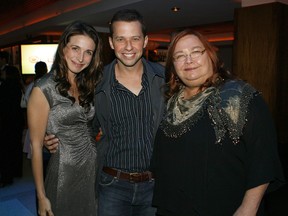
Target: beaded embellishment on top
{"points": [[182, 114], [227, 108]]}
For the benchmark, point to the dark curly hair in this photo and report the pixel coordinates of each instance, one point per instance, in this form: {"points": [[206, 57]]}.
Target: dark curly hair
{"points": [[90, 76], [173, 85]]}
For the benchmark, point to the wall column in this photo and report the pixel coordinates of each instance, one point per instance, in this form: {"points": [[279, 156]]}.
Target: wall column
{"points": [[260, 56]]}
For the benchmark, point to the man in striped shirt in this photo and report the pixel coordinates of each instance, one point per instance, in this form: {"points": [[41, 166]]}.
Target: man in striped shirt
{"points": [[129, 107]]}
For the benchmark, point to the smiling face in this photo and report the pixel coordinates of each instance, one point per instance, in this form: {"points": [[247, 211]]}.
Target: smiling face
{"points": [[128, 42], [78, 53], [193, 72]]}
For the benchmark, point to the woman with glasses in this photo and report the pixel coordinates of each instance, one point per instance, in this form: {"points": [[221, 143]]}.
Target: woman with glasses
{"points": [[215, 152]]}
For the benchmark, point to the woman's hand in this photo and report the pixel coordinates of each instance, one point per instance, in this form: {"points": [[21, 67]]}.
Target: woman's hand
{"points": [[44, 207]]}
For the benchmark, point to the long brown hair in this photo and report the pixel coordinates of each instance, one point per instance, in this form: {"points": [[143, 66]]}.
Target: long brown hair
{"points": [[90, 76], [173, 84]]}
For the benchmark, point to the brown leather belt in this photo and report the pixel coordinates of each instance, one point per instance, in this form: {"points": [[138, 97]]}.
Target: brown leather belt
{"points": [[132, 177]]}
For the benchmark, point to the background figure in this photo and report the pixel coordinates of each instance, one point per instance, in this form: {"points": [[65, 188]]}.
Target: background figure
{"points": [[4, 61], [12, 124], [215, 151], [61, 103]]}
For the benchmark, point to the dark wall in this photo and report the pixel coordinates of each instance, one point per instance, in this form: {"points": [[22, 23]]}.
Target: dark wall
{"points": [[261, 58]]}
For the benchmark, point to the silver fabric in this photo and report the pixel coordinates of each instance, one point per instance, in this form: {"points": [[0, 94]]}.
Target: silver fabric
{"points": [[71, 173]]}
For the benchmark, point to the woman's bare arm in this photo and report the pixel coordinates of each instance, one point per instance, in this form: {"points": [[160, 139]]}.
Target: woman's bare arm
{"points": [[38, 109]]}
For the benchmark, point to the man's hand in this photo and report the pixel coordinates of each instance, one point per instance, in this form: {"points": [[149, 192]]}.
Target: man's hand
{"points": [[51, 143]]}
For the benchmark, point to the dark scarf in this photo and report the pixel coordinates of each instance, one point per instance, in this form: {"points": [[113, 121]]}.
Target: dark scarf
{"points": [[227, 106]]}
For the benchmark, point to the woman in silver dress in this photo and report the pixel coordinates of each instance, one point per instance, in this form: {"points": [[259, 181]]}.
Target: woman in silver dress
{"points": [[61, 103]]}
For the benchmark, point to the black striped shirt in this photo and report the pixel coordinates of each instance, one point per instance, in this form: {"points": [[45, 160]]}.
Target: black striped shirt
{"points": [[131, 118]]}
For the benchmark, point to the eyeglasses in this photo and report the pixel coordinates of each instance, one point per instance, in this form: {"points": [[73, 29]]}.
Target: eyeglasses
{"points": [[181, 57]]}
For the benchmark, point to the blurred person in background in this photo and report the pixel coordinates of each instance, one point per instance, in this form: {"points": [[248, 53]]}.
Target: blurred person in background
{"points": [[12, 125], [4, 61]]}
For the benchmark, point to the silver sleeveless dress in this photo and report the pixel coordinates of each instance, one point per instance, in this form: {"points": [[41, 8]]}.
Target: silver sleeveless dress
{"points": [[71, 173]]}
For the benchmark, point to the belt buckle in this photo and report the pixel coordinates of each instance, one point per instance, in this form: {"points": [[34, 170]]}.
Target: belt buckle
{"points": [[135, 176]]}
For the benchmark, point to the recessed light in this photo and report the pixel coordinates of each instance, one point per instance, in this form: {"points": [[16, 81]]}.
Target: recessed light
{"points": [[175, 9]]}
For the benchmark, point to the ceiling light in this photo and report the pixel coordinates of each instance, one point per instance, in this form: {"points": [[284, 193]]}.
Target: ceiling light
{"points": [[175, 9]]}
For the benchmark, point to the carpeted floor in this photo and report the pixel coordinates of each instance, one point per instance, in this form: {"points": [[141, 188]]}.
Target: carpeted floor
{"points": [[18, 199]]}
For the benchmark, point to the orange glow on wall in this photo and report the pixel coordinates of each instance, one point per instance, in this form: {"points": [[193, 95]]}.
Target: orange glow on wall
{"points": [[210, 39], [221, 39], [39, 16]]}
